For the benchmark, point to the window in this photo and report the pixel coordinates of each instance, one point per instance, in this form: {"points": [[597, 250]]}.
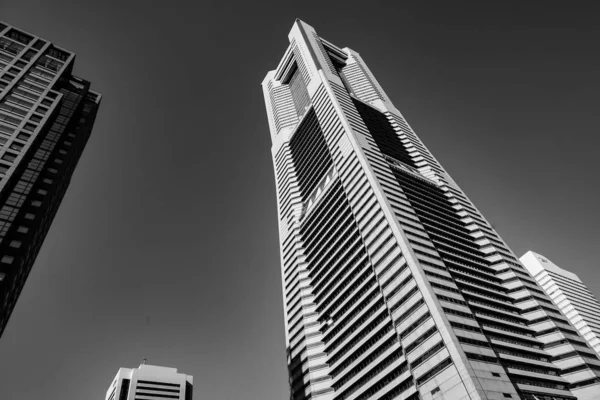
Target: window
{"points": [[427, 355], [58, 54], [7, 260], [430, 332], [481, 357], [436, 390], [508, 396], [29, 216], [20, 102], [7, 129], [124, 389], [16, 146], [19, 36], [160, 383], [9, 157], [2, 275], [495, 374], [9, 119], [414, 326], [15, 244], [29, 55], [434, 371], [10, 46], [22, 229], [38, 44]]}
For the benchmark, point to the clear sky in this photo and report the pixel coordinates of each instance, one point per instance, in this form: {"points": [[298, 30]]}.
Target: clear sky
{"points": [[166, 246]]}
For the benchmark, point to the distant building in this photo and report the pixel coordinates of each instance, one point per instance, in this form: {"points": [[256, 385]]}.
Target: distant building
{"points": [[150, 382], [571, 296], [46, 118]]}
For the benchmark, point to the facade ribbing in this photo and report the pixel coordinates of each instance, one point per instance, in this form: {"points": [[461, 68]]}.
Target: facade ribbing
{"points": [[569, 294], [46, 117], [395, 286], [150, 382]]}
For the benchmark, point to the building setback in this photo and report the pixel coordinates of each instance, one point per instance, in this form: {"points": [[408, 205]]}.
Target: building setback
{"points": [[395, 286], [569, 294], [150, 382], [46, 117]]}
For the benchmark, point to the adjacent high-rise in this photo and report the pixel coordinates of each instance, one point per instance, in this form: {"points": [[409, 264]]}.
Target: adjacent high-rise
{"points": [[46, 117], [569, 294], [150, 382], [395, 286]]}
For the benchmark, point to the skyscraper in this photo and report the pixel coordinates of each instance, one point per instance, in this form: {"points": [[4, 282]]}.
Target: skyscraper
{"points": [[395, 286], [150, 382], [46, 117], [569, 294]]}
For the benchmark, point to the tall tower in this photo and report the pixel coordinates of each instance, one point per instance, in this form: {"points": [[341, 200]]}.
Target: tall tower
{"points": [[569, 294], [150, 382], [395, 286], [46, 117]]}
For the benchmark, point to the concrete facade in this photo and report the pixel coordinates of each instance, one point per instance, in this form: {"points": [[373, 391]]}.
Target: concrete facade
{"points": [[150, 382], [569, 294], [46, 118], [395, 286]]}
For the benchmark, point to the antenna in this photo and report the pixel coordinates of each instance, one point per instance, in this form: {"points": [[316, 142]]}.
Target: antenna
{"points": [[144, 361]]}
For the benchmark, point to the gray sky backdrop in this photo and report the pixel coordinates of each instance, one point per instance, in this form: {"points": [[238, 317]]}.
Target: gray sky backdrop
{"points": [[166, 244]]}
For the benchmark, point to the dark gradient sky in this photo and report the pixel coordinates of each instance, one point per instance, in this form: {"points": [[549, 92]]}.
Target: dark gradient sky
{"points": [[166, 244]]}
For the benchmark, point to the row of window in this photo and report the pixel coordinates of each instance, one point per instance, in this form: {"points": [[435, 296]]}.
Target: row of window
{"points": [[389, 360], [409, 312], [362, 349], [427, 355], [341, 262], [328, 237], [357, 324], [383, 331], [28, 177], [363, 332], [344, 323], [540, 383], [426, 335], [575, 353], [321, 267], [329, 305]]}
